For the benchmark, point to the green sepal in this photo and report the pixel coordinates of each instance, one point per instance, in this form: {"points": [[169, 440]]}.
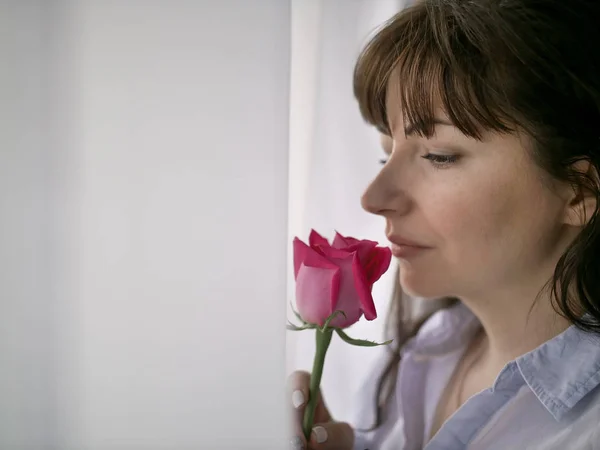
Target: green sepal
{"points": [[330, 318], [359, 342], [290, 326]]}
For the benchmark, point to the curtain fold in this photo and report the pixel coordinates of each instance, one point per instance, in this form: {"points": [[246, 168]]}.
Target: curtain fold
{"points": [[333, 156]]}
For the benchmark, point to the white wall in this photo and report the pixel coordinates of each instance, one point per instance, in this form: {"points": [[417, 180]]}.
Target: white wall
{"points": [[144, 204], [28, 343]]}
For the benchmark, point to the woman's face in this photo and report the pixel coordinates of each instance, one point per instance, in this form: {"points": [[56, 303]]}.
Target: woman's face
{"points": [[465, 215]]}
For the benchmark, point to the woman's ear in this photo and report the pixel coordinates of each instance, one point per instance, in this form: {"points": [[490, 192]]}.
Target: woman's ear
{"points": [[582, 202]]}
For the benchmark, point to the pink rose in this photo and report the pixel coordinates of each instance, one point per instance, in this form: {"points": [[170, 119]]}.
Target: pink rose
{"points": [[339, 276]]}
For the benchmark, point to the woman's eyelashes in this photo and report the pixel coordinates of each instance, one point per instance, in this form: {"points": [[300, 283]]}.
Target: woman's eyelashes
{"points": [[437, 160], [440, 161]]}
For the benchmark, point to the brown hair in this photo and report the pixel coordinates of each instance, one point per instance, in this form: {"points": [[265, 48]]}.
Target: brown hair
{"points": [[506, 66]]}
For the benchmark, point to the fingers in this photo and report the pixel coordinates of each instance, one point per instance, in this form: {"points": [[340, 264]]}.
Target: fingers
{"points": [[299, 394], [297, 443], [332, 436], [298, 387], [299, 391]]}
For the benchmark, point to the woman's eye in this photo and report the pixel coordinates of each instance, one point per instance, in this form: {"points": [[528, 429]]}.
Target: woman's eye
{"points": [[440, 161]]}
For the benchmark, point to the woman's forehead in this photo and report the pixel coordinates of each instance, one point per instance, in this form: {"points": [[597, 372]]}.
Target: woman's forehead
{"points": [[400, 93]]}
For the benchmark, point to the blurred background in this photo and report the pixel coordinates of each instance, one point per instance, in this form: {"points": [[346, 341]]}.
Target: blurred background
{"points": [[157, 157]]}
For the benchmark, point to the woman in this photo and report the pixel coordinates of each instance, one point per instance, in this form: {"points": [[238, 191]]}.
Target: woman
{"points": [[490, 198]]}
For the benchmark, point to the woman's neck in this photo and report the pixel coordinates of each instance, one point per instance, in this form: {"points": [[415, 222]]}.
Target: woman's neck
{"points": [[514, 325]]}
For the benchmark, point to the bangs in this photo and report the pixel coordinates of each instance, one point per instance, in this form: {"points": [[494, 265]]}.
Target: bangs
{"points": [[435, 64]]}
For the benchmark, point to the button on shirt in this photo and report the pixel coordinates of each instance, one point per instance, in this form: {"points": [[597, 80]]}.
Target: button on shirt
{"points": [[548, 398]]}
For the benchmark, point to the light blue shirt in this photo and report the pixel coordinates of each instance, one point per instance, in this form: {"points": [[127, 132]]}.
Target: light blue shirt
{"points": [[546, 399]]}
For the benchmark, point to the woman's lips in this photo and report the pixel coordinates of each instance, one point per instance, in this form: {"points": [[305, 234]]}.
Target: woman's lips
{"points": [[407, 251], [404, 248]]}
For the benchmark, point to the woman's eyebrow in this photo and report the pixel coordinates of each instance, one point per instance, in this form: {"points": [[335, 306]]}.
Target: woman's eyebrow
{"points": [[411, 129]]}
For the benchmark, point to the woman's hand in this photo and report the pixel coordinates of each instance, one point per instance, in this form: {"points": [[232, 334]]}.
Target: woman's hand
{"points": [[327, 434]]}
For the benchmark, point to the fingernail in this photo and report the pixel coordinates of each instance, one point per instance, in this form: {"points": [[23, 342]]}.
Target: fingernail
{"points": [[320, 434], [297, 399], [296, 443]]}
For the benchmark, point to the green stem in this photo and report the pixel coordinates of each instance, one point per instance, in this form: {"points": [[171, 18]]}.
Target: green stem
{"points": [[323, 340]]}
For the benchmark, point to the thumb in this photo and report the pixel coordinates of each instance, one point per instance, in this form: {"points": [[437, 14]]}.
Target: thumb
{"points": [[332, 436]]}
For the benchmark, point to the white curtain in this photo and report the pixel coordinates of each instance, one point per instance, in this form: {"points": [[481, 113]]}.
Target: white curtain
{"points": [[143, 205], [333, 157]]}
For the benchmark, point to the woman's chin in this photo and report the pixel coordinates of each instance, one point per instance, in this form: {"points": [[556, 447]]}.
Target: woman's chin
{"points": [[423, 288]]}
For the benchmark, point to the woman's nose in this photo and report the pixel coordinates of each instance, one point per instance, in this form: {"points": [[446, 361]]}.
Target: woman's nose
{"points": [[384, 196], [370, 201]]}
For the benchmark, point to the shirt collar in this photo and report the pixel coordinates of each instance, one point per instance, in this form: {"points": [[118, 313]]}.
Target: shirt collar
{"points": [[560, 372], [446, 330], [563, 370]]}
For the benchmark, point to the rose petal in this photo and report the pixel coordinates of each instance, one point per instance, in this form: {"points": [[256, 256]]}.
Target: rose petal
{"points": [[340, 241], [315, 289], [303, 254], [315, 239], [379, 260], [336, 281], [363, 252], [335, 253], [354, 245], [363, 288], [363, 249], [348, 299]]}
